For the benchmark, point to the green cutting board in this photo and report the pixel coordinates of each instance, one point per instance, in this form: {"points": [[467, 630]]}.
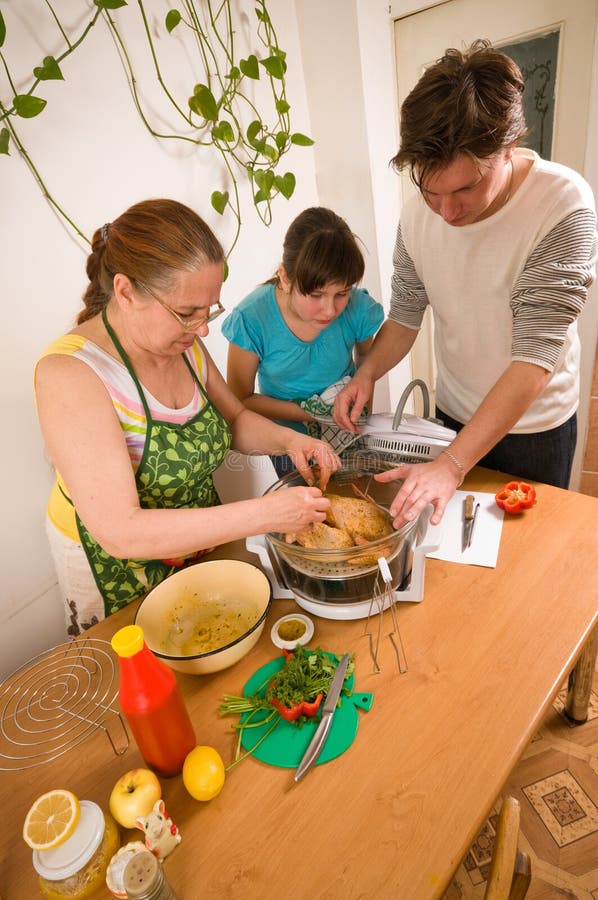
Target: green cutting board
{"points": [[287, 743]]}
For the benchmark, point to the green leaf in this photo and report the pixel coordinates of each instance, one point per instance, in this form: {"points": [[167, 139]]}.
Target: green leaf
{"points": [[253, 129], [282, 107], [262, 16], [219, 199], [204, 103], [249, 67], [27, 107], [4, 138], [269, 152], [173, 17], [274, 65], [264, 178], [285, 184], [234, 74], [282, 138], [49, 70], [223, 132], [2, 29], [110, 4], [302, 140], [260, 197], [226, 270]]}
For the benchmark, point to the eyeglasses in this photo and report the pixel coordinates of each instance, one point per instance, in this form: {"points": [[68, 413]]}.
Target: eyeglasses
{"points": [[186, 325]]}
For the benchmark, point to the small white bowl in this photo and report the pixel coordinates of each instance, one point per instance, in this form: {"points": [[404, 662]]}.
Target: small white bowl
{"points": [[285, 643]]}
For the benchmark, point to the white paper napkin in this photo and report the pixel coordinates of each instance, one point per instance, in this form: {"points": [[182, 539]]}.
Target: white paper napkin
{"points": [[486, 532]]}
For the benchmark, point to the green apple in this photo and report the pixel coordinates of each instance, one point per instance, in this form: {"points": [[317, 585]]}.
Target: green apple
{"points": [[134, 795]]}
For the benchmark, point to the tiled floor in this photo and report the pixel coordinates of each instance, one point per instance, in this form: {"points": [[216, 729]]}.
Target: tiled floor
{"points": [[556, 783]]}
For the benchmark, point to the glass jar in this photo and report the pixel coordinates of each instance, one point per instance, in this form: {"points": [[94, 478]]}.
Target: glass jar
{"points": [[76, 869]]}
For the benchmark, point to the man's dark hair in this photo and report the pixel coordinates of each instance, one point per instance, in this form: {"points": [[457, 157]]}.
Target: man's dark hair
{"points": [[468, 102]]}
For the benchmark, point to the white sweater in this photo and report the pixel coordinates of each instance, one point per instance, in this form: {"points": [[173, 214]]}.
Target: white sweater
{"points": [[509, 287]]}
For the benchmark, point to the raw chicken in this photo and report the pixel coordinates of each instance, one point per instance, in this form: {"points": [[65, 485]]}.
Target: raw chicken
{"points": [[363, 520], [321, 537], [349, 522]]}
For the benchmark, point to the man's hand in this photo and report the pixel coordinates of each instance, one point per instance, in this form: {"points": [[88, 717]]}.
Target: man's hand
{"points": [[350, 402]]}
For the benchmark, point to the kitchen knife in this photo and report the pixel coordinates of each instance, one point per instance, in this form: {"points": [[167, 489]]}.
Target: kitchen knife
{"points": [[317, 742], [469, 517]]}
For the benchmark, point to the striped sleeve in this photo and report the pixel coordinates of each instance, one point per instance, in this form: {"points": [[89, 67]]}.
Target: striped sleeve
{"points": [[408, 297], [551, 290]]}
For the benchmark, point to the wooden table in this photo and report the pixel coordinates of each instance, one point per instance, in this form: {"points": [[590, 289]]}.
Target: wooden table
{"points": [[488, 649]]}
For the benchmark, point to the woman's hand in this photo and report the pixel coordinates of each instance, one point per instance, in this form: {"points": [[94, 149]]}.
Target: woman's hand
{"points": [[304, 450], [295, 509], [434, 482]]}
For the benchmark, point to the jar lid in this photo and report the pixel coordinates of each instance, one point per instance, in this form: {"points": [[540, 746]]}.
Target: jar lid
{"points": [[115, 872], [128, 640], [142, 873], [66, 859]]}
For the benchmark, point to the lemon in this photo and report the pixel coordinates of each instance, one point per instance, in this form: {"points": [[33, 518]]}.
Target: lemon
{"points": [[51, 819], [203, 773]]}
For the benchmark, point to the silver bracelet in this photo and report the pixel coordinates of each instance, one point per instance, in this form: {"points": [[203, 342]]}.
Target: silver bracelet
{"points": [[456, 463]]}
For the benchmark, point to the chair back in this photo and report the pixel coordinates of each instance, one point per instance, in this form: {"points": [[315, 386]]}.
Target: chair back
{"points": [[510, 869]]}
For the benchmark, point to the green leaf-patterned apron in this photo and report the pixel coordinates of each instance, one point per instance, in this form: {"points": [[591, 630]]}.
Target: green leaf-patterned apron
{"points": [[175, 472]]}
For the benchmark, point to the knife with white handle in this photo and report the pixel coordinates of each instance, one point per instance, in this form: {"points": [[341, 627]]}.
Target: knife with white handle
{"points": [[317, 742]]}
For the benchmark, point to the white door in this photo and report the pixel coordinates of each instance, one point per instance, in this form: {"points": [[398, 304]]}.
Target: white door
{"points": [[422, 37]]}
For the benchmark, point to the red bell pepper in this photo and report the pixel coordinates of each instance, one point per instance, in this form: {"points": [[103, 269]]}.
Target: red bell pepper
{"points": [[516, 496], [290, 713]]}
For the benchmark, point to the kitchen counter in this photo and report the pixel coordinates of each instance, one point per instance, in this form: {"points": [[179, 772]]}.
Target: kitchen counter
{"points": [[487, 650]]}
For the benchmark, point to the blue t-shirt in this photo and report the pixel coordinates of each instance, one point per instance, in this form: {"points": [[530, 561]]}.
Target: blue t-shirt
{"points": [[292, 369]]}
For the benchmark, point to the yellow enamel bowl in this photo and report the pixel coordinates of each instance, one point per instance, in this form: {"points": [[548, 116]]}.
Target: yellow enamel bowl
{"points": [[206, 617]]}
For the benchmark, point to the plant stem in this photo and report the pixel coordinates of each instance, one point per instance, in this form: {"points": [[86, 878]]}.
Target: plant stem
{"points": [[247, 753], [40, 180], [157, 67]]}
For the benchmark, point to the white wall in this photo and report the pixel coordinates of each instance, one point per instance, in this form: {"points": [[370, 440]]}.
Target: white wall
{"points": [[348, 48], [97, 159]]}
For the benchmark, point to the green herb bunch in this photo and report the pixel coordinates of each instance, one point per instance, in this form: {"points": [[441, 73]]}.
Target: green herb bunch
{"points": [[305, 674]]}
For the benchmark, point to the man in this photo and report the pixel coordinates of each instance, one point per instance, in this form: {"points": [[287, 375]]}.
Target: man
{"points": [[502, 245]]}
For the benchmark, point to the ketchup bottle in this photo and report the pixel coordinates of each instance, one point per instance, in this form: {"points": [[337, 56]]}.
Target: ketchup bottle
{"points": [[150, 698]]}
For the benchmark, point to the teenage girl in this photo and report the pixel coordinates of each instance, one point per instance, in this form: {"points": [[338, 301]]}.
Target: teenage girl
{"points": [[304, 329]]}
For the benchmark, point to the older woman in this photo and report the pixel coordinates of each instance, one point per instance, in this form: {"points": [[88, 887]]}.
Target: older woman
{"points": [[136, 417]]}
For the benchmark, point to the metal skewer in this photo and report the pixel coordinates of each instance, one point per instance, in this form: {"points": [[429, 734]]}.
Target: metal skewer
{"points": [[385, 597], [368, 632], [395, 634]]}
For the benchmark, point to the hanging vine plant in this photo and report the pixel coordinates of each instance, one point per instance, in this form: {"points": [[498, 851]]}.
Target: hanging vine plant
{"points": [[218, 112]]}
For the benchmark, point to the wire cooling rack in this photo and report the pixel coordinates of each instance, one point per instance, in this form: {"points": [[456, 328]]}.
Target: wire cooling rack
{"points": [[56, 701]]}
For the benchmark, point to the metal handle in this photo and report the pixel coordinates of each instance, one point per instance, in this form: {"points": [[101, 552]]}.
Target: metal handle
{"points": [[417, 382]]}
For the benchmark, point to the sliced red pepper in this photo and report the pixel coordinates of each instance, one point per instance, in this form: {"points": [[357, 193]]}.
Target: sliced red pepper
{"points": [[516, 496], [290, 713]]}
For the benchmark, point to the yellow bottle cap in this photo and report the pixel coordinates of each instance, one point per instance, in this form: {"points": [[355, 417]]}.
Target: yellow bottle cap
{"points": [[128, 640]]}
